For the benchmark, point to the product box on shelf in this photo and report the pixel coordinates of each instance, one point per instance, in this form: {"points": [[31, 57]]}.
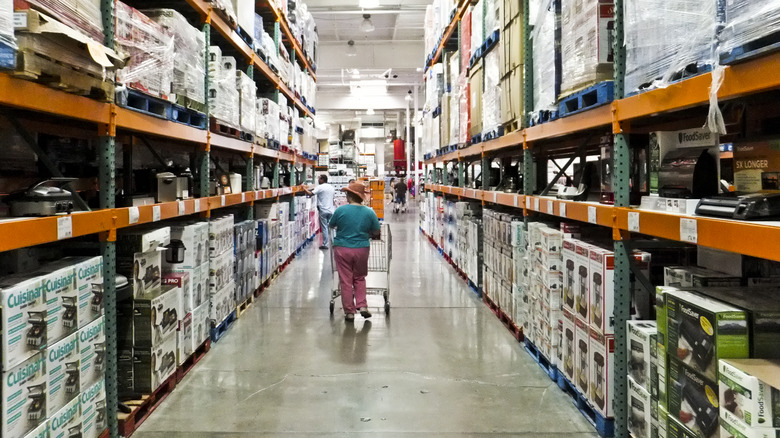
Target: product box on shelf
{"points": [[476, 82], [639, 415], [587, 30], [582, 283], [63, 373], [124, 365], [570, 275], [582, 355], [602, 292], [130, 240], [693, 399], [24, 396], [221, 271], [194, 236], [154, 365], [139, 257], [220, 235], [145, 272], [201, 325], [641, 347], [602, 361], [59, 286], [92, 343], [702, 330], [184, 341], [41, 431], [659, 423], [67, 421], [182, 282], [156, 316], [757, 166], [694, 276], [569, 350], [24, 312], [221, 303], [93, 410], [89, 282], [749, 391], [731, 426], [676, 429]]}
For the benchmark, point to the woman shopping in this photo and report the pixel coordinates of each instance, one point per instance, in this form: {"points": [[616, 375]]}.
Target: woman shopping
{"points": [[355, 225]]}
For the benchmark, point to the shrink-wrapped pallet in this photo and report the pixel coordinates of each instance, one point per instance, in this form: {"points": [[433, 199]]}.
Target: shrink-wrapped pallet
{"points": [[84, 15], [247, 92], [587, 32], [463, 108], [748, 21], [491, 97], [7, 23], [477, 26], [546, 71], [223, 94]]}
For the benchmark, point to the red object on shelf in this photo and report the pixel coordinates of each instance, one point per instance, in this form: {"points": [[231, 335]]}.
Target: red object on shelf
{"points": [[465, 44], [399, 154]]}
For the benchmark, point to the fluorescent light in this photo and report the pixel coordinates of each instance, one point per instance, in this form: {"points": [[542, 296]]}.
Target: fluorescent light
{"points": [[368, 4]]}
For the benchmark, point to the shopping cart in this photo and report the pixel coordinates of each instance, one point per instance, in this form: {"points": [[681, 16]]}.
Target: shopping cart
{"points": [[399, 203], [378, 278]]}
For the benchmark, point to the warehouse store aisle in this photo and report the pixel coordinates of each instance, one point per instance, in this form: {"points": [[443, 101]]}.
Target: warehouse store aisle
{"points": [[440, 365]]}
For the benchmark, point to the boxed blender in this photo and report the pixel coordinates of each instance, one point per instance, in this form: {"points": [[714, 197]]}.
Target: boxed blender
{"points": [[693, 400], [184, 341], [731, 426], [182, 282], [156, 316], [66, 422], [641, 349], [639, 415], [63, 373], [24, 396], [62, 300], [89, 282], [92, 343], [582, 284], [570, 277], [582, 355], [93, 410], [702, 330], [602, 360], [24, 312], [749, 391], [152, 366]]}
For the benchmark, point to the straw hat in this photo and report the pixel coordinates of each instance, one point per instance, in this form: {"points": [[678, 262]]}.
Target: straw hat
{"points": [[356, 188]]}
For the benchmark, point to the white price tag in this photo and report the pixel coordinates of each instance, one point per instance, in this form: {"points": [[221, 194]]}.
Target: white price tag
{"points": [[156, 213], [633, 221], [257, 195], [536, 204], [562, 209], [689, 230], [197, 205], [275, 192], [592, 216], [495, 197], [182, 208], [64, 227], [528, 202], [133, 215], [516, 200], [222, 200], [243, 197]]}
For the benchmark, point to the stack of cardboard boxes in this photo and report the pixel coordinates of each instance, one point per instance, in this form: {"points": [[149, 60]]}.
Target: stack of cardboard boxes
{"points": [[244, 269], [221, 259], [512, 61], [498, 268], [544, 288]]}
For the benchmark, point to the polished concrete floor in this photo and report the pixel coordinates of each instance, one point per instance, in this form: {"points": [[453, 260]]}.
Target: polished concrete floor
{"points": [[440, 365]]}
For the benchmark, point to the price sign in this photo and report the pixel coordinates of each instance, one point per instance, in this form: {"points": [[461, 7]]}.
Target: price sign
{"points": [[562, 209], [633, 222], [516, 200], [222, 200], [156, 213], [536, 204], [592, 216], [495, 197], [197, 205], [182, 208], [133, 215], [550, 207], [64, 227], [243, 197], [689, 231], [528, 202]]}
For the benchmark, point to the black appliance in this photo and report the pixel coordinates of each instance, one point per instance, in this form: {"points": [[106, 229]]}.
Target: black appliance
{"points": [[46, 198], [582, 373], [569, 295], [702, 348], [597, 298], [37, 408], [72, 379], [36, 333], [706, 416], [688, 173], [755, 206], [69, 315], [174, 251], [582, 298]]}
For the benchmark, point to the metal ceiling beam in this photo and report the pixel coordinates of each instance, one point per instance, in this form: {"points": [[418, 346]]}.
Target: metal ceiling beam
{"points": [[357, 11]]}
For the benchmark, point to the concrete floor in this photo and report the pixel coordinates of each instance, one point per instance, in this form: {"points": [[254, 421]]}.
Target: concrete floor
{"points": [[440, 365]]}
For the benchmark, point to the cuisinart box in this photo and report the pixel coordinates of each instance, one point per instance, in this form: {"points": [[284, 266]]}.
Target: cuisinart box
{"points": [[89, 282], [63, 370], [139, 257], [41, 431], [639, 415], [749, 391], [602, 360], [641, 348], [702, 330], [153, 366], [66, 422], [62, 300], [24, 396], [24, 313], [582, 355], [92, 342], [693, 400], [93, 410], [156, 316]]}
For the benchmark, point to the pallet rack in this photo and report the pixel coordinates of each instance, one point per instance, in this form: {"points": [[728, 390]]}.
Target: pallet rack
{"points": [[748, 78], [23, 102]]}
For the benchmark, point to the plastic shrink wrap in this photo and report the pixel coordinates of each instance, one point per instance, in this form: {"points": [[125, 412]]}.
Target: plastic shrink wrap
{"points": [[492, 17], [587, 32], [464, 108], [491, 98], [268, 119], [150, 49], [434, 86], [454, 76], [665, 38], [189, 45], [546, 71], [7, 23], [226, 6], [430, 36], [84, 15], [247, 92], [477, 26], [223, 95], [269, 48], [748, 21]]}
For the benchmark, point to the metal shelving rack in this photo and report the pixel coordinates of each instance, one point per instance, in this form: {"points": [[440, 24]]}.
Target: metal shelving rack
{"points": [[751, 77]]}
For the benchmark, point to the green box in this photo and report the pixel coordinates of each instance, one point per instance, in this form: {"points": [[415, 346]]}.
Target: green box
{"points": [[701, 330], [693, 401], [675, 429], [660, 313]]}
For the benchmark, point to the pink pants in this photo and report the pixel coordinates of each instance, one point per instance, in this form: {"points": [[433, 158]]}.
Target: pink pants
{"points": [[352, 265]]}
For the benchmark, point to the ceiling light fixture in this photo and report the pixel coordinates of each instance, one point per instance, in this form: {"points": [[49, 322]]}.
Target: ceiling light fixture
{"points": [[368, 4], [370, 112], [367, 25], [351, 49], [409, 96]]}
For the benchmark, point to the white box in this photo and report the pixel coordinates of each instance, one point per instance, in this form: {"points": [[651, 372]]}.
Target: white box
{"points": [[570, 276], [582, 355], [602, 360], [89, 281], [749, 389], [581, 282], [201, 325], [221, 271], [131, 240], [221, 303], [24, 312], [184, 340], [192, 236], [602, 290], [220, 235], [63, 373], [62, 423], [182, 282], [92, 343], [639, 415], [153, 366], [41, 431], [93, 410], [156, 317], [731, 426], [24, 396], [144, 270], [641, 343], [62, 300]]}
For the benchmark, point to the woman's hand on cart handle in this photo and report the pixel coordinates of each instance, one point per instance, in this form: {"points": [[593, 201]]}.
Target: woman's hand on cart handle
{"points": [[375, 235]]}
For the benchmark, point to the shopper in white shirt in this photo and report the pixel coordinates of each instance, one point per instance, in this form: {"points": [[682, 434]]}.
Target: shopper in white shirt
{"points": [[325, 205]]}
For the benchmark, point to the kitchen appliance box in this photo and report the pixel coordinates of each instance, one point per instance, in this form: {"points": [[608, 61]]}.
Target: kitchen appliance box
{"points": [[641, 349], [62, 299], [659, 423], [28, 379], [569, 347], [182, 282], [658, 385], [675, 429], [220, 235], [221, 304], [749, 391], [66, 420], [124, 365], [199, 286], [640, 419], [693, 399], [41, 431], [581, 282], [154, 365], [601, 365], [582, 355], [24, 312], [63, 369], [185, 344], [221, 271], [602, 291], [757, 166], [93, 410], [139, 257], [702, 330], [195, 237], [570, 274], [201, 325], [92, 343], [156, 316], [658, 382], [89, 282], [694, 276], [731, 426]]}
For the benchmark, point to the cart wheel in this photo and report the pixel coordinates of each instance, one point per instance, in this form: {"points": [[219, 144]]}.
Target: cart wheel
{"points": [[332, 306], [387, 309]]}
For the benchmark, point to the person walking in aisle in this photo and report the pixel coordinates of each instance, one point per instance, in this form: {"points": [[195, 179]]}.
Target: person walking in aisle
{"points": [[325, 205], [355, 224]]}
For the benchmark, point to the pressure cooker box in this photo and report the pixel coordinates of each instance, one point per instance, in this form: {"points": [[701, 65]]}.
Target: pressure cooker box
{"points": [[601, 367], [156, 316]]}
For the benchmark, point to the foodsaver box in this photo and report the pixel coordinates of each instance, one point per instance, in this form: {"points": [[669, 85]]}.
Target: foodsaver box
{"points": [[749, 391], [639, 414], [693, 399], [641, 347]]}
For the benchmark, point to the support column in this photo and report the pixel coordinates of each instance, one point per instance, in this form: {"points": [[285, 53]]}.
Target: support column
{"points": [[461, 174], [275, 182]]}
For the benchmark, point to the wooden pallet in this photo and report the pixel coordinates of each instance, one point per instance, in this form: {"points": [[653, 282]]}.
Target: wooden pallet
{"points": [[191, 361], [220, 127], [511, 126], [221, 329], [244, 306], [39, 68], [142, 408], [188, 103]]}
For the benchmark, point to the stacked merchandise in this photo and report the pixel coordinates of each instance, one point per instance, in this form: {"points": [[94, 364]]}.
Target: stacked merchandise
{"points": [[147, 320], [267, 255], [587, 32], [546, 55], [244, 268], [431, 36], [643, 413], [247, 92], [462, 90], [511, 63], [377, 197], [285, 65], [434, 89], [543, 313], [521, 280], [267, 119], [150, 49], [267, 46], [189, 68], [468, 217], [225, 7], [686, 29], [748, 21], [223, 93], [284, 122], [749, 395], [491, 94], [477, 27], [498, 264], [6, 31], [450, 126], [221, 262], [245, 15], [83, 15], [53, 366], [449, 227]]}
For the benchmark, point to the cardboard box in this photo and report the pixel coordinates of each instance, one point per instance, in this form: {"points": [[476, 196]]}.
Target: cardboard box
{"points": [[757, 166], [63, 373], [93, 410], [201, 325], [602, 360], [24, 311], [658, 381], [194, 236], [221, 235], [143, 270], [24, 396], [59, 287], [92, 344], [67, 421], [221, 303], [581, 282], [512, 95], [156, 317], [659, 424], [570, 277], [749, 391], [641, 349], [221, 271], [582, 355], [476, 83], [693, 400], [639, 415], [153, 366], [125, 375], [694, 276], [731, 426], [512, 53], [182, 282], [185, 344], [675, 429], [41, 431], [135, 240], [511, 10], [89, 282], [703, 330]]}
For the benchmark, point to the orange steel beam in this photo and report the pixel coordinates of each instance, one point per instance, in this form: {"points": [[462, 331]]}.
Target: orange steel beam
{"points": [[130, 120], [509, 140], [233, 144], [23, 94], [596, 118], [461, 9]]}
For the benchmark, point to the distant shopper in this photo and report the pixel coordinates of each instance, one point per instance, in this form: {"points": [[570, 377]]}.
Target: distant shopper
{"points": [[355, 225], [325, 205], [400, 195]]}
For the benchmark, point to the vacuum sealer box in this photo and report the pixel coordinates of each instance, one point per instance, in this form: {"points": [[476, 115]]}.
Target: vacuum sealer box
{"points": [[570, 277], [694, 276], [93, 410], [703, 330], [63, 373], [62, 300], [675, 429], [154, 365], [640, 419], [24, 312], [757, 166], [92, 343], [749, 391], [641, 349], [24, 396], [731, 426], [67, 421], [156, 316], [693, 400], [568, 348], [659, 423], [582, 355], [602, 359]]}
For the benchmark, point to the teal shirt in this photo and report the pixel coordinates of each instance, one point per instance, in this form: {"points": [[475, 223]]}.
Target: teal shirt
{"points": [[353, 223]]}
